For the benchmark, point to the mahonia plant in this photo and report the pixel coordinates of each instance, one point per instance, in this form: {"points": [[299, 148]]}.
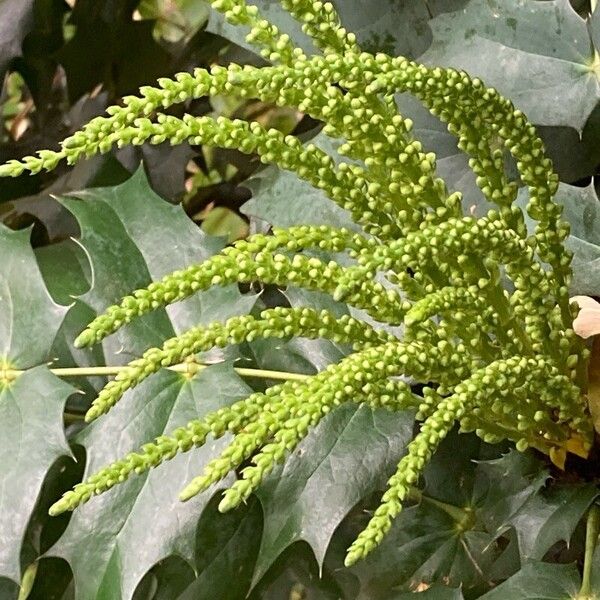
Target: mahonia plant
{"points": [[483, 301]]}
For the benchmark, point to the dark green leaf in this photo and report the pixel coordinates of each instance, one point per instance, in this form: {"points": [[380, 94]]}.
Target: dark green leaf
{"points": [[326, 476], [32, 436], [550, 517], [23, 294], [448, 538], [109, 543], [125, 235], [539, 581], [132, 236]]}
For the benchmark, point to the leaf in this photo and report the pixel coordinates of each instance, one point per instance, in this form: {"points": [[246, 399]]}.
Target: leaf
{"points": [[541, 515], [392, 27], [15, 23], [227, 546], [31, 430], [539, 581], [21, 297], [67, 274], [109, 542], [124, 231], [282, 199], [538, 54], [326, 476], [131, 236], [450, 537], [550, 517], [31, 407]]}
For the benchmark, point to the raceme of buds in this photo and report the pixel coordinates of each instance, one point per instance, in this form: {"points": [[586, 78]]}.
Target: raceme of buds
{"points": [[488, 326]]}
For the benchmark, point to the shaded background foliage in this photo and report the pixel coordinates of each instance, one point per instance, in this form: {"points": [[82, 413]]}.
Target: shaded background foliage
{"points": [[141, 212]]}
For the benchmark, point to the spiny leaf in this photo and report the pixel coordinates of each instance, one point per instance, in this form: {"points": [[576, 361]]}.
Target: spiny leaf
{"points": [[539, 581], [23, 292], [326, 476], [31, 410], [541, 515], [130, 235], [31, 406], [449, 538], [67, 274], [109, 542]]}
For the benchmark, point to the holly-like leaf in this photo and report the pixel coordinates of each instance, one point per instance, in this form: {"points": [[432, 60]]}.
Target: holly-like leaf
{"points": [[32, 434], [538, 54], [549, 517], [539, 581], [131, 236], [31, 406], [450, 536], [326, 476], [16, 20], [66, 271], [23, 293], [114, 540], [124, 231]]}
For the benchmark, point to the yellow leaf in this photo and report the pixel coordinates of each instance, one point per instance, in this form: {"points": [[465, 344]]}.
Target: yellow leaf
{"points": [[558, 456]]}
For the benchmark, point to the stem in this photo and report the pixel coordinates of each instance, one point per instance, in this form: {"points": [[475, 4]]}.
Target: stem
{"points": [[463, 516], [591, 539], [187, 368]]}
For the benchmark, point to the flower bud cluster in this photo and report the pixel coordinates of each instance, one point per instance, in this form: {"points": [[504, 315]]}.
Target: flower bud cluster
{"points": [[500, 360], [277, 322]]}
